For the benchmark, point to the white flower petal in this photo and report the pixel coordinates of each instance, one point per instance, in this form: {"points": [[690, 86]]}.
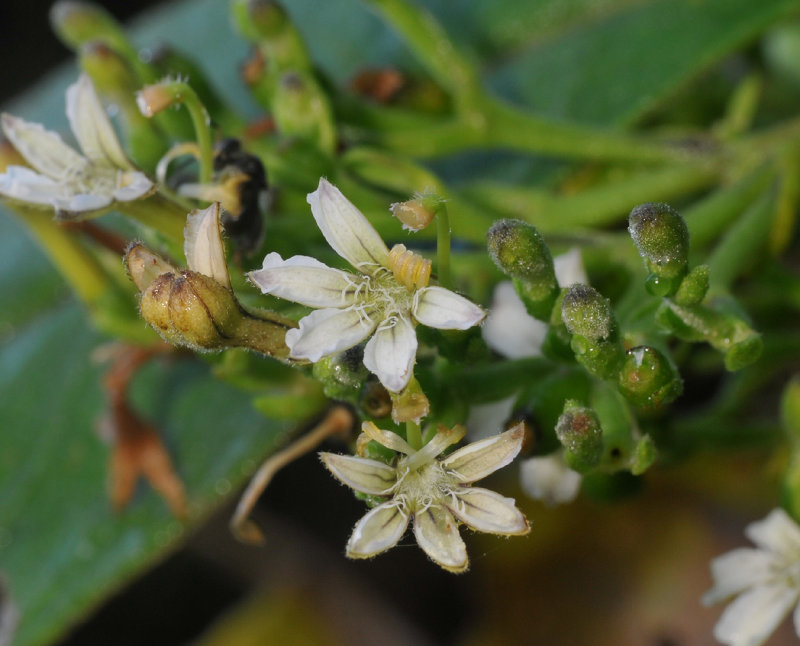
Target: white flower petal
{"points": [[367, 476], [307, 281], [438, 443], [440, 308], [777, 533], [569, 268], [436, 532], [43, 149], [549, 479], [379, 530], [388, 439], [135, 185], [487, 511], [509, 330], [205, 253], [92, 127], [328, 331], [753, 616], [346, 229], [22, 183], [391, 352], [478, 459], [736, 571], [81, 206]]}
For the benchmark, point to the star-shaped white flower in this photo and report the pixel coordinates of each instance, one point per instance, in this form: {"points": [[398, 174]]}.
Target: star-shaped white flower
{"points": [[354, 307], [766, 581], [74, 184], [434, 492]]}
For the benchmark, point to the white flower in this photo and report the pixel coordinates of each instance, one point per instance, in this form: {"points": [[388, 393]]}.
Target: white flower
{"points": [[435, 493], [73, 184], [766, 580], [356, 306], [549, 479]]}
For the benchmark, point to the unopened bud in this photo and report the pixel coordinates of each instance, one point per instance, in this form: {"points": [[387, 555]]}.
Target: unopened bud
{"points": [[410, 404], [77, 23], [662, 238], [415, 214], [647, 378], [153, 99], [520, 252], [587, 313], [191, 309], [742, 353], [144, 266], [578, 429], [342, 374], [259, 18], [693, 287]]}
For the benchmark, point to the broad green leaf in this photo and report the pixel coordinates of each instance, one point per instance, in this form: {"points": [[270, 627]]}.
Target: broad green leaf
{"points": [[618, 67]]}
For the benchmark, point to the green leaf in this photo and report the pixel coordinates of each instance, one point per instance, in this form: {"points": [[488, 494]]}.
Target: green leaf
{"points": [[618, 67]]}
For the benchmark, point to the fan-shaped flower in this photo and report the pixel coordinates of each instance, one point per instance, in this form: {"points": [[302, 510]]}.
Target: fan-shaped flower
{"points": [[74, 184], [372, 303], [766, 581], [434, 492]]}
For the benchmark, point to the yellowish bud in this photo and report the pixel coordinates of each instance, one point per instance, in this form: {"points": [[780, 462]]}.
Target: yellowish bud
{"points": [[414, 214], [410, 404]]}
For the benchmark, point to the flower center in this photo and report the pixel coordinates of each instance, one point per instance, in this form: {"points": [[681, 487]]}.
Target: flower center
{"points": [[423, 487], [388, 296]]}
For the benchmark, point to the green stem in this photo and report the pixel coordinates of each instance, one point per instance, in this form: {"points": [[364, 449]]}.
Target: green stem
{"points": [[414, 435], [741, 245], [443, 245], [159, 214], [80, 269]]}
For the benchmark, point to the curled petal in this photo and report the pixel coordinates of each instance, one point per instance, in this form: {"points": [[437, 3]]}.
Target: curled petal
{"points": [[22, 183], [328, 331], [346, 229], [135, 185], [776, 533], [92, 127], [367, 476], [444, 438], [487, 511], [753, 616], [736, 571], [307, 281], [437, 534], [386, 438], [391, 352], [440, 308], [43, 149], [202, 244], [379, 530], [478, 459]]}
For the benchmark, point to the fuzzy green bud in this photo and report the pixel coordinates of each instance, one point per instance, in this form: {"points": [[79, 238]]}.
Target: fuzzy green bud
{"points": [[520, 252], [693, 287], [579, 431], [647, 378], [644, 455], [662, 238], [587, 313], [302, 110]]}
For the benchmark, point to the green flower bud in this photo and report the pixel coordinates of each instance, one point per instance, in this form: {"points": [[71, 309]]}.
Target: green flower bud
{"points": [[647, 378], [342, 375], [644, 454], [520, 252], [302, 110], [742, 353], [77, 23], [587, 313], [578, 429], [693, 287], [662, 238]]}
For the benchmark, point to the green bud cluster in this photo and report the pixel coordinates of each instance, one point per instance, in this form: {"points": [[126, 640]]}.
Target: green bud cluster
{"points": [[520, 252], [342, 375]]}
